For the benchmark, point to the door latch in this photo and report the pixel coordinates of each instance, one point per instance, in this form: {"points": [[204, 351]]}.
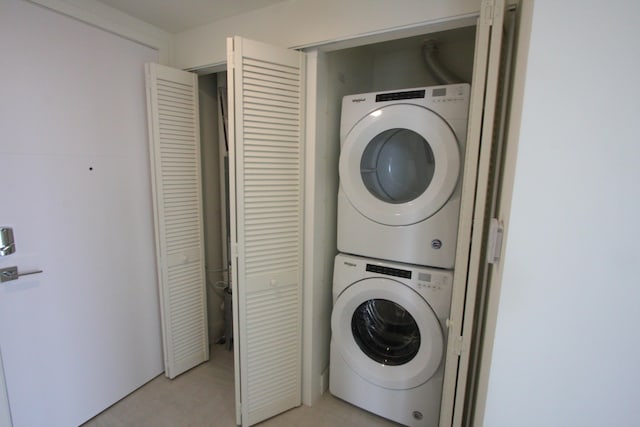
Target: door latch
{"points": [[8, 274]]}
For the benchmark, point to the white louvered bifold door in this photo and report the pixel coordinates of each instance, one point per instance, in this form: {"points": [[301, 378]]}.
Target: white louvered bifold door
{"points": [[172, 98], [458, 393], [266, 159]]}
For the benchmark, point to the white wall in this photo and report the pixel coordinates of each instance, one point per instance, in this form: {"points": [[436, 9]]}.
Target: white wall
{"points": [[310, 22], [566, 344], [111, 20]]}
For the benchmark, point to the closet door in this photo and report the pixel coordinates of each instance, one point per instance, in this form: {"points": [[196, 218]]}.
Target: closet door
{"points": [[172, 98], [266, 129], [483, 145]]}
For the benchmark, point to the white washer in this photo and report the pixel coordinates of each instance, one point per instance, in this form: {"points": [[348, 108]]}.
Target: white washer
{"points": [[387, 343], [400, 165]]}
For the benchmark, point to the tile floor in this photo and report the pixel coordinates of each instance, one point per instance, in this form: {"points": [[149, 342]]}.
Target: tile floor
{"points": [[204, 397]]}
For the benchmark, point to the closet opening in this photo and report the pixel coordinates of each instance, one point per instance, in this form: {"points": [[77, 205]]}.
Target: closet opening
{"points": [[340, 70], [215, 194]]}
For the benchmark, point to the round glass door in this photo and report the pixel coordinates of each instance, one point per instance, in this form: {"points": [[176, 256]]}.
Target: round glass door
{"points": [[399, 165], [387, 333]]}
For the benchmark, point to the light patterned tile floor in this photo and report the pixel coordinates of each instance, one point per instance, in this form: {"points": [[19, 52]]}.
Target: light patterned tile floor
{"points": [[205, 397]]}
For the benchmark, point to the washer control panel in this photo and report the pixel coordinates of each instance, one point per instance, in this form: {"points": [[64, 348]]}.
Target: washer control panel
{"points": [[432, 284], [432, 281], [423, 280]]}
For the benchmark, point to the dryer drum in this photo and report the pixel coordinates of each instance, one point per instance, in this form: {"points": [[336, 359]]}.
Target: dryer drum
{"points": [[385, 332], [397, 166]]}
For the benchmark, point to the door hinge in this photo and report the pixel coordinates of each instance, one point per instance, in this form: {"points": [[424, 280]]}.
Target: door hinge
{"points": [[487, 12], [494, 241], [231, 60], [234, 250], [456, 343]]}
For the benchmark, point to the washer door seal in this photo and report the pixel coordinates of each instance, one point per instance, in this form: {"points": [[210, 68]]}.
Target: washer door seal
{"points": [[402, 192], [421, 366]]}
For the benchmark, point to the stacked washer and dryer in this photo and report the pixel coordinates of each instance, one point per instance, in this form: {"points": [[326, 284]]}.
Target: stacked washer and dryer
{"points": [[398, 206]]}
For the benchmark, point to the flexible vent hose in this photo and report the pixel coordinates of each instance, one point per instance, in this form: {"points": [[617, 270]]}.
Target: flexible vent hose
{"points": [[439, 73]]}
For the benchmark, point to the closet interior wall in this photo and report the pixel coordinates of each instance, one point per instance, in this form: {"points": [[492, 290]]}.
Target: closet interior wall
{"points": [[209, 140]]}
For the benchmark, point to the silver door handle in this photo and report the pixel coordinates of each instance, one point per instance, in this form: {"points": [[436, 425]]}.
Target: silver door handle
{"points": [[7, 244], [11, 273]]}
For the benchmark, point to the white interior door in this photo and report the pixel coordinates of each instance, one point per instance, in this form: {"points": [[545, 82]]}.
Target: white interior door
{"points": [[75, 187], [266, 128], [472, 230], [174, 133]]}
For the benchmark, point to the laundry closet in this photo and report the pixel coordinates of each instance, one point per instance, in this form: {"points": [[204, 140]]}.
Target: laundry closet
{"points": [[292, 312]]}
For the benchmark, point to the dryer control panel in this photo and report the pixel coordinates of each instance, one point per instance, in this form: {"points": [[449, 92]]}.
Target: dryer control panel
{"points": [[395, 96], [449, 94], [389, 271]]}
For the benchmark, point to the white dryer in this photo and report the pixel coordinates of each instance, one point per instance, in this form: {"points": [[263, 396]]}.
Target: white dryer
{"points": [[400, 166], [388, 341]]}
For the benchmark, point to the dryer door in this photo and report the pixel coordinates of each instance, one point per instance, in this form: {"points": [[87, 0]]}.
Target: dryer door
{"points": [[399, 165], [387, 333]]}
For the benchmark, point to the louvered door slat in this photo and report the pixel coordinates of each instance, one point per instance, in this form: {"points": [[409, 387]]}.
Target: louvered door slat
{"points": [[256, 94], [175, 154], [267, 158]]}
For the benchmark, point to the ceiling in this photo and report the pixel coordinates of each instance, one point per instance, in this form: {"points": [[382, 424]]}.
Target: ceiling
{"points": [[175, 16]]}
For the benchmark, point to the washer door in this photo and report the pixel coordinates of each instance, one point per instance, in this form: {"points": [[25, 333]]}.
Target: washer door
{"points": [[399, 164], [387, 333]]}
